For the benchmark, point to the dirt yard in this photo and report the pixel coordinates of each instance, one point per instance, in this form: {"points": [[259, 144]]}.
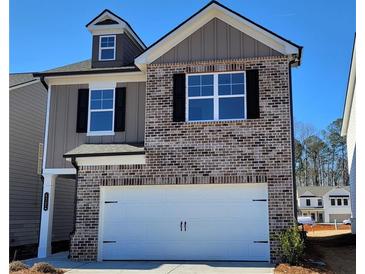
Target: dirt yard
{"points": [[338, 252], [322, 230]]}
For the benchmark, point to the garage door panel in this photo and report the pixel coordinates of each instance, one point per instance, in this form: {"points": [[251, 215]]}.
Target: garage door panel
{"points": [[222, 222]]}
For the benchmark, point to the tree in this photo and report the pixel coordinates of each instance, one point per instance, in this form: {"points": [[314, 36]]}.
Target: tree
{"points": [[320, 159]]}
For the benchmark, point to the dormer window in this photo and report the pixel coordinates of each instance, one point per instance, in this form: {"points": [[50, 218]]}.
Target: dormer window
{"points": [[107, 48]]}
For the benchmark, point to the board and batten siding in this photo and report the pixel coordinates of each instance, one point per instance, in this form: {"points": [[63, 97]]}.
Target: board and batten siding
{"points": [[126, 51], [27, 111], [63, 216], [62, 136], [216, 40]]}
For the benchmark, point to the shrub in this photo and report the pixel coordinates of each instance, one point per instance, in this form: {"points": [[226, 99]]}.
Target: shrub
{"points": [[17, 266], [292, 245], [44, 268]]}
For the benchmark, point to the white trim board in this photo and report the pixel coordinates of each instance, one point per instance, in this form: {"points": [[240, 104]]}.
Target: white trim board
{"points": [[137, 76], [199, 20], [59, 171], [139, 159]]}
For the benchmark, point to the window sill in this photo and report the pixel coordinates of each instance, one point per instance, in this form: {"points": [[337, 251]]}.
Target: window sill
{"points": [[101, 133], [217, 121]]}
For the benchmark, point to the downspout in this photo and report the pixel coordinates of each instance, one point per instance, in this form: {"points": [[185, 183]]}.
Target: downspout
{"points": [[293, 140], [74, 163], [43, 82]]}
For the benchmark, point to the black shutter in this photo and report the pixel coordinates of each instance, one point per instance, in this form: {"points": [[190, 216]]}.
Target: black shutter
{"points": [[119, 113], [82, 110], [252, 82], [179, 97]]}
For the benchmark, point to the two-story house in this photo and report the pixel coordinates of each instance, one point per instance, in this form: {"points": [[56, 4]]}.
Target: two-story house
{"points": [[180, 151], [325, 204]]}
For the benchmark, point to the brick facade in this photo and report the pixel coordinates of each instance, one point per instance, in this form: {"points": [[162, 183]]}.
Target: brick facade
{"points": [[248, 151]]}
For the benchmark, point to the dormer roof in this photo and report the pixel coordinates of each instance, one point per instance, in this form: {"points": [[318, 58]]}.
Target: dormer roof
{"points": [[108, 22]]}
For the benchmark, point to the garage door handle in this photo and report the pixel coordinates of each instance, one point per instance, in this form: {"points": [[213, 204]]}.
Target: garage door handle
{"points": [[181, 226], [185, 226]]}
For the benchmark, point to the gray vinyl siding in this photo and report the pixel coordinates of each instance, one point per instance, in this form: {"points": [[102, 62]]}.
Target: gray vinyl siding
{"points": [[27, 112], [126, 51], [27, 108], [64, 209], [62, 136], [216, 40]]}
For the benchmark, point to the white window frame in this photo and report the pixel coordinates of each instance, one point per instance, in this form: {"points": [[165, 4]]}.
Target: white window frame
{"points": [[215, 96], [100, 48], [100, 133]]}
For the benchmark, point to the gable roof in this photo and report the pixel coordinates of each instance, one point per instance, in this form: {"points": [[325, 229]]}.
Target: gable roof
{"points": [[18, 79], [107, 19], [318, 191], [212, 10]]}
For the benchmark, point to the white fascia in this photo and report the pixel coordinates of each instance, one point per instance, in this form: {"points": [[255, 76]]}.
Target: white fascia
{"points": [[110, 160], [349, 95], [214, 11]]}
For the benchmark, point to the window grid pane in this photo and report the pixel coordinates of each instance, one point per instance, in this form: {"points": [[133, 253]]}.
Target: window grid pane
{"points": [[101, 110], [229, 95]]}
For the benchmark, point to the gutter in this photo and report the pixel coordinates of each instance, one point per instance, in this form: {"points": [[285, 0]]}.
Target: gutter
{"points": [[84, 155]]}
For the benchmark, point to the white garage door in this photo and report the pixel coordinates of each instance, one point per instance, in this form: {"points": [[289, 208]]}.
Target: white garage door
{"points": [[200, 222]]}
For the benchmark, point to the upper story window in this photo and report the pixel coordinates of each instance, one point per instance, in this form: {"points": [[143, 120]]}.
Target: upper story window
{"points": [[216, 96], [101, 112], [107, 48], [320, 202], [345, 202], [339, 202], [308, 202], [333, 202]]}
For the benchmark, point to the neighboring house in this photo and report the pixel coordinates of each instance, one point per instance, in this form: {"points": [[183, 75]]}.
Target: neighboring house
{"points": [[325, 204], [27, 111], [182, 150], [349, 130]]}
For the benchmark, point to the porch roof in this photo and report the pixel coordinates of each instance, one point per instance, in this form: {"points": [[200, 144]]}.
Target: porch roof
{"points": [[94, 150]]}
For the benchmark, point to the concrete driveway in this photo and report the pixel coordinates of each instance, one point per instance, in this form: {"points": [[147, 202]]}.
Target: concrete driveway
{"points": [[159, 267]]}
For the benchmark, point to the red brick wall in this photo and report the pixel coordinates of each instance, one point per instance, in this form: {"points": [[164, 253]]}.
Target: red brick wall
{"points": [[247, 151]]}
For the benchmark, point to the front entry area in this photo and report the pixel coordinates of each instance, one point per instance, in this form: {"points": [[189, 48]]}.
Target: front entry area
{"points": [[185, 222]]}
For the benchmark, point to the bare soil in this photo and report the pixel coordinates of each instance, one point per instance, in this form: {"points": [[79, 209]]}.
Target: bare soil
{"points": [[338, 252]]}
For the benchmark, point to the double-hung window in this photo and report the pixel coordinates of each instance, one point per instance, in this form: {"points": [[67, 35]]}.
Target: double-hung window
{"points": [[107, 48], [101, 116], [216, 96]]}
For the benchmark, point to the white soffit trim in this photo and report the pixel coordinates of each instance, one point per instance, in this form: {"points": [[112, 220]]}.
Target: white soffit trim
{"points": [[349, 95], [202, 18], [85, 79], [110, 160]]}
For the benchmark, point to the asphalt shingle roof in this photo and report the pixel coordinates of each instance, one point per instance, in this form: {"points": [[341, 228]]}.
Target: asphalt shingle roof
{"points": [[16, 79], [88, 150], [317, 190], [85, 67]]}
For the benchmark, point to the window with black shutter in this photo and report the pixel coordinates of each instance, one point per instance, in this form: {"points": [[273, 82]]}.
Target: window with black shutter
{"points": [[82, 110]]}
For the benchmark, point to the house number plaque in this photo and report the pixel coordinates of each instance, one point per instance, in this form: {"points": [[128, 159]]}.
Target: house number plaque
{"points": [[45, 202]]}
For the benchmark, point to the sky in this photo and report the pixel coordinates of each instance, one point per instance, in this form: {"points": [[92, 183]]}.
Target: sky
{"points": [[46, 34]]}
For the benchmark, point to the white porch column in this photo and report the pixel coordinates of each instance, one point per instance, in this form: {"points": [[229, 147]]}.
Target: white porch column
{"points": [[45, 234]]}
